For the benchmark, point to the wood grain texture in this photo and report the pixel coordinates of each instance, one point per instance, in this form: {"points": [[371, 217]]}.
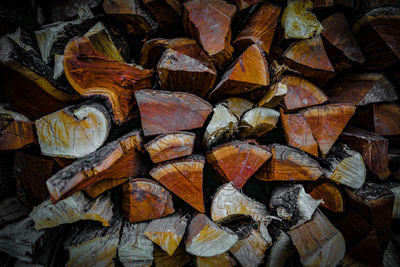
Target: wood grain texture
{"points": [[273, 96], [257, 122], [333, 198], [179, 259], [221, 260], [237, 105], [102, 186], [281, 250], [243, 4], [167, 13]]}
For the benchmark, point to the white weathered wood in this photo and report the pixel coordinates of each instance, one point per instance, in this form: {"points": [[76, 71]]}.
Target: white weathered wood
{"points": [[273, 96], [395, 188], [11, 209], [281, 251], [258, 121], [238, 106]]}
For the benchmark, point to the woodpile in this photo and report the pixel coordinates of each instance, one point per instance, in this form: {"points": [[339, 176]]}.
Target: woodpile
{"points": [[199, 133]]}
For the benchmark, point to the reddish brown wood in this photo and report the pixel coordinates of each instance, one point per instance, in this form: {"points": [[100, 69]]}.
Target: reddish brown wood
{"points": [[167, 13], [166, 112], [102, 186], [151, 52], [243, 4], [329, 193]]}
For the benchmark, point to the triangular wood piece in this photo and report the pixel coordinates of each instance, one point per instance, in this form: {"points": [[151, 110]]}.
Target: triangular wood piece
{"points": [[166, 112], [183, 177], [257, 122], [238, 106], [237, 161], [327, 122], [333, 198]]}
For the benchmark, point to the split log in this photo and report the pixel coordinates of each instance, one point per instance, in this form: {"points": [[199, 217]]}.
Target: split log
{"points": [[257, 122], [395, 188], [133, 13], [293, 205], [222, 260], [134, 248], [309, 58], [228, 203], [249, 72], [199, 16], [237, 161], [281, 250], [75, 208], [89, 243], [16, 130], [102, 186], [378, 35], [238, 106], [118, 159], [93, 74], [327, 122], [167, 232], [259, 28], [166, 112], [167, 14], [344, 166], [73, 132], [170, 146], [184, 178], [331, 195], [179, 259], [289, 164], [30, 174], [298, 133], [362, 89], [206, 239], [298, 20], [318, 242], [144, 199], [394, 163], [152, 50], [11, 209], [274, 96], [243, 4]]}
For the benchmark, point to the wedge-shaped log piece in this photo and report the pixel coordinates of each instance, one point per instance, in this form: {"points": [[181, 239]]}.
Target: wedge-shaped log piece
{"points": [[133, 13], [378, 34], [318, 242], [362, 89], [93, 74], [238, 106], [298, 133], [292, 204], [16, 130], [281, 250], [167, 13], [117, 159], [257, 122], [166, 112], [274, 96], [170, 146], [184, 178], [237, 161], [89, 243], [344, 166], [309, 58], [289, 164], [145, 199], [100, 187], [11, 209], [298, 20], [248, 72], [199, 16], [221, 260], [179, 259], [228, 203], [223, 124], [75, 208], [167, 232], [134, 247], [260, 28], [327, 122], [73, 132], [330, 194], [206, 239]]}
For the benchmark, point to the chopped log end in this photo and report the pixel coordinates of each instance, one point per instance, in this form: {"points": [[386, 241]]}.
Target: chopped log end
{"points": [[281, 250], [222, 260], [179, 259], [102, 186], [167, 15], [152, 51], [257, 122], [274, 96], [332, 197], [238, 106]]}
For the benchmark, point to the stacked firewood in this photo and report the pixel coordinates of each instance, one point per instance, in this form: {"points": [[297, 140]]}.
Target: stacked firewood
{"points": [[200, 133]]}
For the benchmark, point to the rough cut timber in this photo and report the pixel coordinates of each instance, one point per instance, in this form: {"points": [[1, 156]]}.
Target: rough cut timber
{"points": [[259, 28], [145, 199], [289, 164], [100, 187], [118, 159], [298, 20], [179, 259], [74, 131], [362, 89], [257, 122], [309, 58], [206, 239], [75, 208], [331, 195], [166, 112], [199, 16], [327, 122], [298, 133], [184, 178], [134, 247], [249, 72], [243, 4], [379, 37], [228, 204], [167, 13], [11, 209], [293, 205], [16, 130], [237, 161], [167, 232], [318, 242], [281, 250], [92, 74], [273, 96], [133, 13], [344, 166], [238, 106], [221, 260], [89, 243], [395, 188]]}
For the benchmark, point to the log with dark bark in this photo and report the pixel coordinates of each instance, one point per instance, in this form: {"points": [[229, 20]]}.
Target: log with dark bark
{"points": [[11, 209]]}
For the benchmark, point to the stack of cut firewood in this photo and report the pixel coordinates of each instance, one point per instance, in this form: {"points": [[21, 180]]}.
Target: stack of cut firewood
{"points": [[200, 133]]}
